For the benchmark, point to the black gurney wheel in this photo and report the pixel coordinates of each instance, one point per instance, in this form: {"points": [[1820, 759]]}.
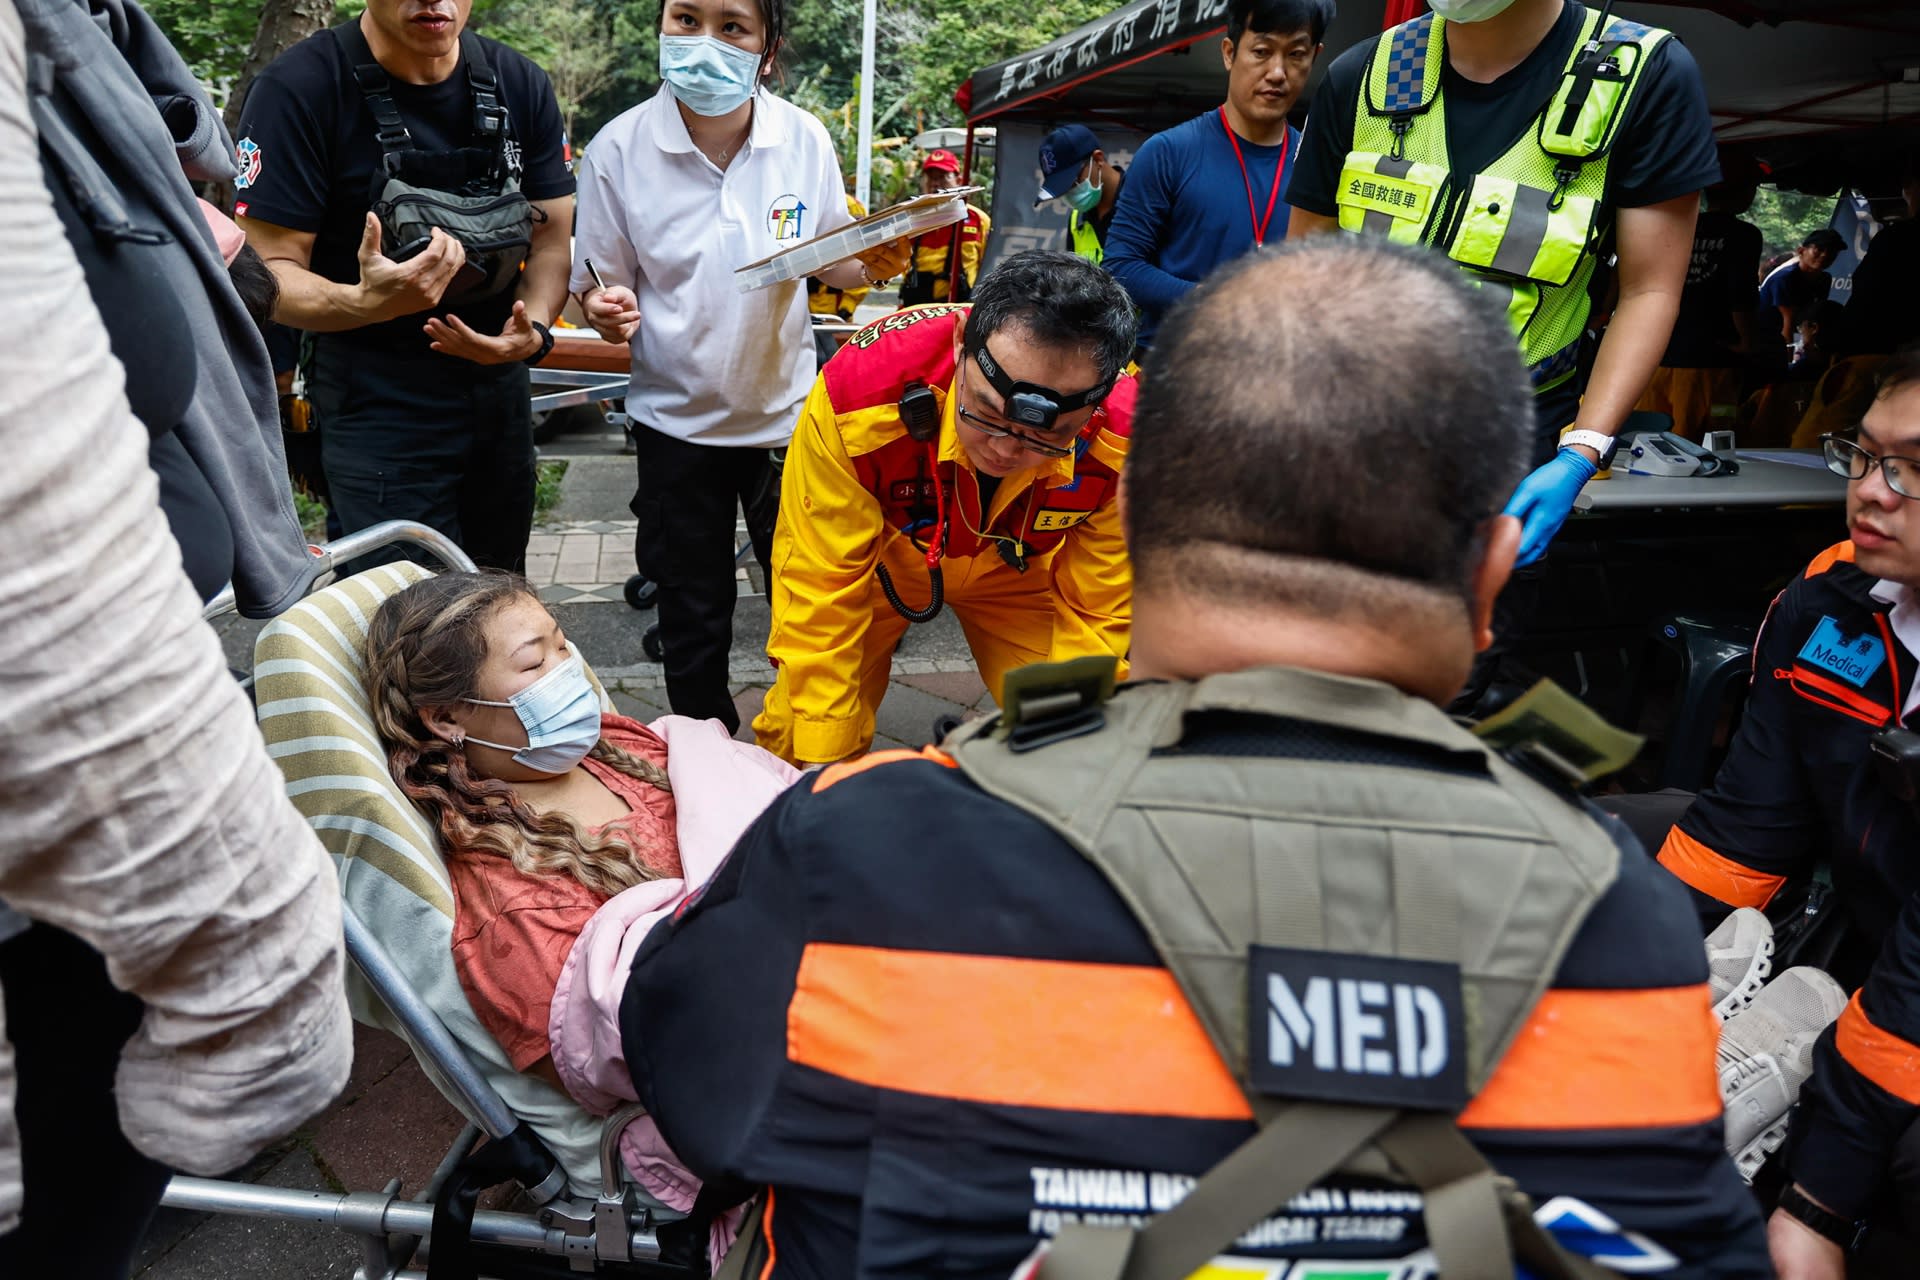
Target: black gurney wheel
{"points": [[650, 643], [642, 591]]}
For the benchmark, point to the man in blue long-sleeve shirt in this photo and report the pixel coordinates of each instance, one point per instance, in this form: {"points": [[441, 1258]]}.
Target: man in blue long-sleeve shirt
{"points": [[1207, 191]]}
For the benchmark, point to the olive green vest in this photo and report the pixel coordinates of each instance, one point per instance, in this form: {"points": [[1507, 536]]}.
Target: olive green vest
{"points": [[1532, 223], [1328, 820], [1086, 242]]}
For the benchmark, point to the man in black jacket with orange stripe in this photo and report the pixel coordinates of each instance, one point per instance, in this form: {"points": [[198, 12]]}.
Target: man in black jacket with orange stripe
{"points": [[937, 1033], [1834, 669]]}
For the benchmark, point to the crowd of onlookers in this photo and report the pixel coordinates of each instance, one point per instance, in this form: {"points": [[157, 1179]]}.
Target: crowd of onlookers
{"points": [[1765, 348], [405, 202]]}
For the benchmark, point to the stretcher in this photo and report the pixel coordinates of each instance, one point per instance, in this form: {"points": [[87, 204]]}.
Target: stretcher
{"points": [[581, 369], [582, 1213]]}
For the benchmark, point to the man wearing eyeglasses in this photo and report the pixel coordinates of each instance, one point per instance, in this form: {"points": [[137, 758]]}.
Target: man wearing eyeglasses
{"points": [[953, 456], [1823, 770]]}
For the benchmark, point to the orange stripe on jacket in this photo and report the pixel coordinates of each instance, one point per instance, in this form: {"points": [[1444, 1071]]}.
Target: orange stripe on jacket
{"points": [[1838, 553], [1113, 1039], [1606, 1060], [847, 769], [1716, 875], [1880, 1056], [766, 1230]]}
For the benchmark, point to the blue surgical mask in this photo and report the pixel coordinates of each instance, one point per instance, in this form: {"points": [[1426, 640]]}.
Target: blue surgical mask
{"points": [[1085, 197], [709, 75], [561, 714]]}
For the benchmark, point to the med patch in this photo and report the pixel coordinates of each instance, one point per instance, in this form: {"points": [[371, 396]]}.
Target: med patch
{"points": [[1853, 659], [1372, 1030]]}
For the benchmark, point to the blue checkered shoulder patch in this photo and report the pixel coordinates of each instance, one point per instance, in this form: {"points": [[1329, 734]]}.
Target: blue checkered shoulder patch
{"points": [[1627, 31], [1407, 66]]}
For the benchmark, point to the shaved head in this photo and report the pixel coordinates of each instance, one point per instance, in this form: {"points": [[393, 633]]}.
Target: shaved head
{"points": [[1328, 426]]}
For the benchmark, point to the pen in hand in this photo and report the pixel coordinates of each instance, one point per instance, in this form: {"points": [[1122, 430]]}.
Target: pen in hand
{"points": [[595, 273]]}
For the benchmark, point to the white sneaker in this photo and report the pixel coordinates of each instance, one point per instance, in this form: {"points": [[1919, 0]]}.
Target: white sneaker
{"points": [[1739, 958], [1766, 1054]]}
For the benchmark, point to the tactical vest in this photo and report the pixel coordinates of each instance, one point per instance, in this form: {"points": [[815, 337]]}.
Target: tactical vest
{"points": [[472, 194], [1270, 825], [1086, 241], [1530, 225]]}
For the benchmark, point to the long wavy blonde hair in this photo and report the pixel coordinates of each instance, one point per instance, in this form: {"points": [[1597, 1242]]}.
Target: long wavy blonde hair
{"points": [[425, 648]]}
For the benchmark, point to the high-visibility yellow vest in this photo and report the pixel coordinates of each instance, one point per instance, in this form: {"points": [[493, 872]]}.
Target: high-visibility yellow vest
{"points": [[1531, 224], [1086, 241]]}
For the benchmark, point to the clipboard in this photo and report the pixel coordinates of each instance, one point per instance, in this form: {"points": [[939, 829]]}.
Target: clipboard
{"points": [[908, 218]]}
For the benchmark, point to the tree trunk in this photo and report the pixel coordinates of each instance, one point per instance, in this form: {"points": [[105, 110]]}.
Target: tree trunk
{"points": [[283, 24]]}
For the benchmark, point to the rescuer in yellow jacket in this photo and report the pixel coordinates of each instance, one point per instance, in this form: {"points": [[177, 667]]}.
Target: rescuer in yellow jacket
{"points": [[962, 456]]}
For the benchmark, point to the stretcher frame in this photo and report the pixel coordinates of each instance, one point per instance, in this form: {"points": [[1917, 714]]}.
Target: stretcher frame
{"points": [[570, 1230]]}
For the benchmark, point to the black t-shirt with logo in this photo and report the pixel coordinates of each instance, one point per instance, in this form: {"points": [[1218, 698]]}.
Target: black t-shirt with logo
{"points": [[1722, 279], [307, 155]]}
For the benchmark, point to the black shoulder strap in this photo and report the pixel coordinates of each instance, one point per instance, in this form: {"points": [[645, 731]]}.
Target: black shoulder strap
{"points": [[389, 128], [490, 123], [490, 120]]}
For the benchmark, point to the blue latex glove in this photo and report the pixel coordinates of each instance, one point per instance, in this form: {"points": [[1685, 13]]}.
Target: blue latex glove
{"points": [[1545, 498]]}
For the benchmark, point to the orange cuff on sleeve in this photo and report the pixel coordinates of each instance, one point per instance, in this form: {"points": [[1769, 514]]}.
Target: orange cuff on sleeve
{"points": [[1715, 875], [1880, 1056]]}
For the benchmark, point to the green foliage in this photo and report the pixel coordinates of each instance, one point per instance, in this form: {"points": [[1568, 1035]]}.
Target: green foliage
{"points": [[212, 35], [964, 35], [546, 487], [1785, 217], [313, 515], [603, 56]]}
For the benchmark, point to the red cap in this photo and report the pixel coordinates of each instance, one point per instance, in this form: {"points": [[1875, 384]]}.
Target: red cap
{"points": [[941, 159]]}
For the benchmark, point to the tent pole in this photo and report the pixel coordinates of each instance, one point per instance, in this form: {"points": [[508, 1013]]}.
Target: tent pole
{"points": [[863, 166], [966, 180]]}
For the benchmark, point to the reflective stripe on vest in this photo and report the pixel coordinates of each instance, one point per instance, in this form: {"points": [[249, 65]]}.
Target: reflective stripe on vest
{"points": [[1529, 224], [1086, 241]]}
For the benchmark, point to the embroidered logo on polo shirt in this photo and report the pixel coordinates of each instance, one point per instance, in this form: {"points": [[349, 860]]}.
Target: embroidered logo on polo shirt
{"points": [[787, 219], [246, 154], [1851, 658]]}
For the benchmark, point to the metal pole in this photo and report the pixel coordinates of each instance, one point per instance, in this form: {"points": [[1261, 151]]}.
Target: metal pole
{"points": [[863, 164]]}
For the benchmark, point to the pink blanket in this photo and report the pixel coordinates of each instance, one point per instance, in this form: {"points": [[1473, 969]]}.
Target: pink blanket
{"points": [[719, 787]]}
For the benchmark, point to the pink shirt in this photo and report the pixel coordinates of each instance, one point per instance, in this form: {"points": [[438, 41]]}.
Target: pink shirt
{"points": [[512, 932]]}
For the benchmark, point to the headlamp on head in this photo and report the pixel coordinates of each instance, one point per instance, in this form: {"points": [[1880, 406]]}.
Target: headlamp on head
{"points": [[1031, 406]]}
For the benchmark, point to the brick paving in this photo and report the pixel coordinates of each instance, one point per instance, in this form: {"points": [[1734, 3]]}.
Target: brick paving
{"points": [[589, 562]]}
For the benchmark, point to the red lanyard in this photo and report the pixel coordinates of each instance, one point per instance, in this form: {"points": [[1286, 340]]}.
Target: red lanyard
{"points": [[1260, 224]]}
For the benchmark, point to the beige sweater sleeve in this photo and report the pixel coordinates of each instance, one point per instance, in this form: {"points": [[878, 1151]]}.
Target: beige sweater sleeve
{"points": [[138, 808]]}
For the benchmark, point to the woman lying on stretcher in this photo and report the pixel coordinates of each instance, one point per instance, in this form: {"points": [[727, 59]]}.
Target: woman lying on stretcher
{"points": [[567, 833]]}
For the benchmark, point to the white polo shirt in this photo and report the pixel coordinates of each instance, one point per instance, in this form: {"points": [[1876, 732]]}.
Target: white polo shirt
{"points": [[710, 364]]}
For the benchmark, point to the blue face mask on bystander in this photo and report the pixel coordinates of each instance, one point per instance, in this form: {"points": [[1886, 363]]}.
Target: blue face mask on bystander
{"points": [[561, 714], [1085, 196], [709, 75]]}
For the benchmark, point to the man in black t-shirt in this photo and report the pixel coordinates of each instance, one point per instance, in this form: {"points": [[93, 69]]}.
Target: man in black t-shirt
{"points": [[1498, 73], [422, 408]]}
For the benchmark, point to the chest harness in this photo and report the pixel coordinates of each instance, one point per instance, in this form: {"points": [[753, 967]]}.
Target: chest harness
{"points": [[1528, 226], [471, 193], [1030, 406]]}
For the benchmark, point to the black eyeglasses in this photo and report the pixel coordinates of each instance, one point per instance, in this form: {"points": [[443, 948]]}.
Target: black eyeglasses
{"points": [[1845, 458], [1001, 432]]}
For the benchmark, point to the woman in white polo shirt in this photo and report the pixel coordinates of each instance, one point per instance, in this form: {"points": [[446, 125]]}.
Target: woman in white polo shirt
{"points": [[708, 175]]}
